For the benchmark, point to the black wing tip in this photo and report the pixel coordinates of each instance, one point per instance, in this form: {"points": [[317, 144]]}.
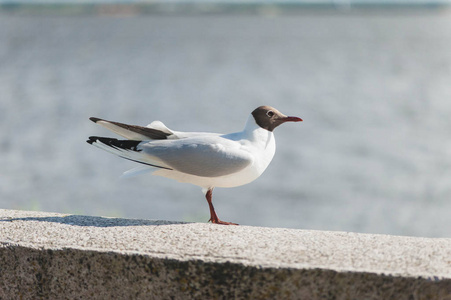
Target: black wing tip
{"points": [[95, 120], [92, 139], [123, 144], [105, 140], [115, 143]]}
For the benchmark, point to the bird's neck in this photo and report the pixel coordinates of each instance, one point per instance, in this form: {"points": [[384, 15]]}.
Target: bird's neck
{"points": [[256, 134]]}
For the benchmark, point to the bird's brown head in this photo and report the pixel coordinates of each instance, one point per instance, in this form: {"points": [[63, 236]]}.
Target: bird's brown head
{"points": [[268, 117]]}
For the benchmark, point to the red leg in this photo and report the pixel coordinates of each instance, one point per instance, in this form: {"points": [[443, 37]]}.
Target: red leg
{"points": [[213, 217]]}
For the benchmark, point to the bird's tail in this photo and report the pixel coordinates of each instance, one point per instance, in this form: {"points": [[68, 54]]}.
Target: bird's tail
{"points": [[128, 149]]}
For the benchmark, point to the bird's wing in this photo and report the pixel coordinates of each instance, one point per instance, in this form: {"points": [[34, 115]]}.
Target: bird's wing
{"points": [[175, 135], [206, 156], [154, 131], [135, 132]]}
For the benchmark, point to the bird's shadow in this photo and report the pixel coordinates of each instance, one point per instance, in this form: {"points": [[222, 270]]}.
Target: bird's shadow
{"points": [[85, 221]]}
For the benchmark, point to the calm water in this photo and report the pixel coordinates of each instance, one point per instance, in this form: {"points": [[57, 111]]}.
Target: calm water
{"points": [[374, 89]]}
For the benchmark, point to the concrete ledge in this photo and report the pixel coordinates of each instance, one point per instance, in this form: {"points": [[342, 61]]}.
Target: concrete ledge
{"points": [[56, 256]]}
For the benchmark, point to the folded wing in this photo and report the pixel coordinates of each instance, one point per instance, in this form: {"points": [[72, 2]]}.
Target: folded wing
{"points": [[211, 156], [207, 156]]}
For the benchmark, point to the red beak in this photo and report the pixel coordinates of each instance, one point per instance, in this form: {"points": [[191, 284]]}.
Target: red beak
{"points": [[292, 119]]}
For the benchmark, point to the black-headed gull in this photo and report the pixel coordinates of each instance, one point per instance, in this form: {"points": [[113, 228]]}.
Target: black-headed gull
{"points": [[207, 160]]}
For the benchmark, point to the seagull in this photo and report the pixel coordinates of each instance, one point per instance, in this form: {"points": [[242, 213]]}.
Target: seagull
{"points": [[207, 160]]}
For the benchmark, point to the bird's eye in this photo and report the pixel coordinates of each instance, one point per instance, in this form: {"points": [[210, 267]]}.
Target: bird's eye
{"points": [[270, 113]]}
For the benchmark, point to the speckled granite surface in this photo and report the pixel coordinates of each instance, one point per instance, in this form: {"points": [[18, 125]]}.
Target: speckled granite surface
{"points": [[53, 255]]}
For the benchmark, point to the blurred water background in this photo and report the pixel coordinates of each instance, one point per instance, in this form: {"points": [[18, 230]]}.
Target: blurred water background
{"points": [[373, 87]]}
